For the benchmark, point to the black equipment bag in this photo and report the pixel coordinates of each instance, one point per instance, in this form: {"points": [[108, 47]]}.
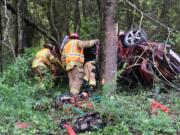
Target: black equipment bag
{"points": [[87, 122]]}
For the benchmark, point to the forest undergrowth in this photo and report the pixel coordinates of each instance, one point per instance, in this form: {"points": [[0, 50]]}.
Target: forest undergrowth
{"points": [[126, 112]]}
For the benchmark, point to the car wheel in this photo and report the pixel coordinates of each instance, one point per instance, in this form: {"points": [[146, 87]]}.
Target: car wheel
{"points": [[134, 37]]}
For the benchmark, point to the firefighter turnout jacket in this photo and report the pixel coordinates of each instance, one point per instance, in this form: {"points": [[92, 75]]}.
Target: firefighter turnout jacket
{"points": [[73, 52], [44, 58]]}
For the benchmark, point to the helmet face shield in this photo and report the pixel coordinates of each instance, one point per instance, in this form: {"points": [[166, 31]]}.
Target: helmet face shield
{"points": [[74, 36]]}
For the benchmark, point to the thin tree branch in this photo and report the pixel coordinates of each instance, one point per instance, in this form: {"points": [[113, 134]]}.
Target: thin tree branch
{"points": [[52, 20], [6, 35], [151, 18]]}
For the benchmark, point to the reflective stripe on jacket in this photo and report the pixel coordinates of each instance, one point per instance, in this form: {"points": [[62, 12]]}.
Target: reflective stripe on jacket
{"points": [[73, 54]]}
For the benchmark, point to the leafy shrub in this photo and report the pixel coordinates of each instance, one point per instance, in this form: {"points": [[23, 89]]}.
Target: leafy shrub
{"points": [[89, 28], [119, 129], [133, 111], [21, 100]]}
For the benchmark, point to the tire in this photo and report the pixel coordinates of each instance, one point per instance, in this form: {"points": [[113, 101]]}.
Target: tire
{"points": [[134, 37]]}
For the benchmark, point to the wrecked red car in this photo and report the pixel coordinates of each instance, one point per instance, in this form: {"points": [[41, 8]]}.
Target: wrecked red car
{"points": [[145, 62]]}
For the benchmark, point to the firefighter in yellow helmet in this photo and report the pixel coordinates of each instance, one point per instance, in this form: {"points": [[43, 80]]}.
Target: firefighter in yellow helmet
{"points": [[73, 57], [45, 61]]}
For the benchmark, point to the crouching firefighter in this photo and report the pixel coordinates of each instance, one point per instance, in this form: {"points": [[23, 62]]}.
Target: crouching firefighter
{"points": [[73, 57], [45, 61]]}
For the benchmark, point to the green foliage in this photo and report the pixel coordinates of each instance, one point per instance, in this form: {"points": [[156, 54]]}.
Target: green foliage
{"points": [[17, 72], [89, 28], [127, 113], [21, 100], [120, 129], [175, 42]]}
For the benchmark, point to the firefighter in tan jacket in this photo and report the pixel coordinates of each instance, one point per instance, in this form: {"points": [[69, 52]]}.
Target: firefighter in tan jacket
{"points": [[73, 57], [45, 61]]}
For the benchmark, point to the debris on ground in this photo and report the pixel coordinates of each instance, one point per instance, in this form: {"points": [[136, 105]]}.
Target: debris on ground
{"points": [[87, 122], [22, 125], [155, 106]]}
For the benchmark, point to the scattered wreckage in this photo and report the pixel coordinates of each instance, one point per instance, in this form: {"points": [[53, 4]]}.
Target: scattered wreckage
{"points": [[142, 61], [139, 61], [82, 106], [145, 62]]}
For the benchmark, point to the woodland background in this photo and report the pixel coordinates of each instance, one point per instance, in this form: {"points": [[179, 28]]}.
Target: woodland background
{"points": [[47, 18], [26, 24]]}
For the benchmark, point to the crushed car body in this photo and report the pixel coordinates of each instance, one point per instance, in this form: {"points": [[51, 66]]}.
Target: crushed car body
{"points": [[146, 61]]}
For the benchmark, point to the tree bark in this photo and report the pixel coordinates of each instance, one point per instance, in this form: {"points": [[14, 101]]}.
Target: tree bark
{"points": [[30, 33], [110, 40], [100, 60], [20, 27], [77, 18], [84, 9], [1, 38]]}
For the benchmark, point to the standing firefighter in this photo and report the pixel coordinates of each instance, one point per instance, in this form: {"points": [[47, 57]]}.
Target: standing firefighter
{"points": [[73, 57], [45, 61]]}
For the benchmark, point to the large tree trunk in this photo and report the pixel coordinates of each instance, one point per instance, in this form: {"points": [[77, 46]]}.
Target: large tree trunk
{"points": [[30, 32], [77, 19], [101, 62], [20, 28], [66, 18], [1, 38], [110, 41], [84, 9]]}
